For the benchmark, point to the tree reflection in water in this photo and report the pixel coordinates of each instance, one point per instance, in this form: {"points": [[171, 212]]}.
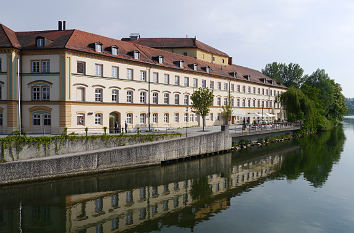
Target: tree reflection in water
{"points": [[316, 158]]}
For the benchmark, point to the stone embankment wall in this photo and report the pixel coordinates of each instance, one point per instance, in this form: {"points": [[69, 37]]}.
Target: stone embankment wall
{"points": [[40, 147], [113, 158]]}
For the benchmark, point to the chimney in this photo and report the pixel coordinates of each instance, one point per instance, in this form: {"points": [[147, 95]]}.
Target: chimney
{"points": [[60, 26], [64, 25], [134, 36]]}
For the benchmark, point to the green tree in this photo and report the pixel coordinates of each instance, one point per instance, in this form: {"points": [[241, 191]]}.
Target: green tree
{"points": [[290, 75], [227, 110], [202, 100]]}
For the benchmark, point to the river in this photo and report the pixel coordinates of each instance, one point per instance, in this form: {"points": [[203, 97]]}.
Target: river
{"points": [[300, 186]]}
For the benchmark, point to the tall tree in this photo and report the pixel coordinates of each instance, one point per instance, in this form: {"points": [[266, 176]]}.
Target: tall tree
{"points": [[290, 75], [202, 100]]}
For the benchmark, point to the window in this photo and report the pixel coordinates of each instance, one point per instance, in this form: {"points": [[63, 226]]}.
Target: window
{"points": [[130, 118], [238, 88], [142, 118], [203, 83], [249, 89], [99, 70], [254, 103], [143, 97], [155, 98], [114, 50], [259, 91], [232, 102], [186, 99], [130, 74], [238, 102], [136, 54], [254, 90], [177, 80], [45, 66], [191, 117], [98, 119], [35, 67], [186, 117], [161, 59], [225, 101], [186, 81], [249, 103], [211, 116], [41, 92], [115, 71], [98, 47], [181, 64], [115, 95], [129, 96], [195, 82], [80, 119], [142, 75], [232, 87], [176, 98], [176, 117], [185, 54], [195, 67], [81, 67], [155, 117], [166, 79], [98, 94], [219, 85], [40, 42], [225, 87], [166, 98], [211, 84], [267, 92], [244, 89], [262, 91], [166, 117], [36, 119], [258, 103], [45, 93], [155, 77], [80, 94], [219, 101], [1, 118], [223, 60]]}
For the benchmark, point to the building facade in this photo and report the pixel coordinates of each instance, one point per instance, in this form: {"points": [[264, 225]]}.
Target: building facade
{"points": [[70, 79]]}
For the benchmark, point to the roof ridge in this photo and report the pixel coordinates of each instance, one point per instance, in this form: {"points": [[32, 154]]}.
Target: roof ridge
{"points": [[12, 43]]}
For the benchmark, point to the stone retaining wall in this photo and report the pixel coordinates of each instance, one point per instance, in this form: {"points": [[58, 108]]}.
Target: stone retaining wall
{"points": [[113, 158]]}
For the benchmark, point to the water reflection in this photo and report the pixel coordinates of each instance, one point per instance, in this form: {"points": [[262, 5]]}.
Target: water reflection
{"points": [[316, 158], [149, 199]]}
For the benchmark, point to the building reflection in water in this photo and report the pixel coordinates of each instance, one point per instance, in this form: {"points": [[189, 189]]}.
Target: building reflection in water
{"points": [[141, 200], [121, 210]]}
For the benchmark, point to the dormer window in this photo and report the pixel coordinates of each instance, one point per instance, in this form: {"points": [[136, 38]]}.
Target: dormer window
{"points": [[40, 42], [233, 74], [263, 80], [136, 54], [207, 69], [180, 63], [160, 59], [248, 77], [98, 47], [195, 67], [114, 50]]}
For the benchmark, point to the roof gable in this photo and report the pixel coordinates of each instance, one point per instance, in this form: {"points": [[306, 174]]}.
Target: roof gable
{"points": [[8, 38]]}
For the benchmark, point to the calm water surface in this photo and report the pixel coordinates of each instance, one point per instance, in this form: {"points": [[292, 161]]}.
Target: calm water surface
{"points": [[303, 186]]}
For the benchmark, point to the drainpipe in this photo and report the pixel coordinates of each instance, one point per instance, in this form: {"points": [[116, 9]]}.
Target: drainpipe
{"points": [[19, 118], [149, 90]]}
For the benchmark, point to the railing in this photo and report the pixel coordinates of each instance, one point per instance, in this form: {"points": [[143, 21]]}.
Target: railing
{"points": [[245, 129]]}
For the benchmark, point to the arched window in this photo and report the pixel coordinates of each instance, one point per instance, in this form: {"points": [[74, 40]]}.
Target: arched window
{"points": [[40, 92]]}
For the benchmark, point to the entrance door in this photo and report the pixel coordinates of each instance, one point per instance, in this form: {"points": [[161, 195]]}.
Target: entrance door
{"points": [[114, 122]]}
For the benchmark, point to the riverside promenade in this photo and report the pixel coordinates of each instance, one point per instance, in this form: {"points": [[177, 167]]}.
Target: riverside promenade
{"points": [[193, 144]]}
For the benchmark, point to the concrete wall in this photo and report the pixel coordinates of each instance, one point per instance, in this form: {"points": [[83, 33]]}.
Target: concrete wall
{"points": [[114, 158], [61, 146]]}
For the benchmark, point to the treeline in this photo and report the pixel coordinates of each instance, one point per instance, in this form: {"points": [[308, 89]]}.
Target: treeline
{"points": [[350, 104], [314, 99]]}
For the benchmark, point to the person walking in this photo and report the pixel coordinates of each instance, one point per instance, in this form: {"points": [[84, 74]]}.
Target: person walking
{"points": [[126, 126]]}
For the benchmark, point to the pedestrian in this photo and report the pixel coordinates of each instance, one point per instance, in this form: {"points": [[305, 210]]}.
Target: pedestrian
{"points": [[116, 125], [126, 126]]}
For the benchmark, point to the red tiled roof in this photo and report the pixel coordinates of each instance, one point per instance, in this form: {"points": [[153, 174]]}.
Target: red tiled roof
{"points": [[8, 38], [83, 41], [178, 43]]}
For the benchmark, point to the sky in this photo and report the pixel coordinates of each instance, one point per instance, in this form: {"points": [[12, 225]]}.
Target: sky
{"points": [[313, 33]]}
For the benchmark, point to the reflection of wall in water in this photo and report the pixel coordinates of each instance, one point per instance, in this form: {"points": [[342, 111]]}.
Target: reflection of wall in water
{"points": [[122, 210]]}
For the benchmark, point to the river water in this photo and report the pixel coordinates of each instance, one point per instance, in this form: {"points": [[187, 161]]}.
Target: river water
{"points": [[301, 186]]}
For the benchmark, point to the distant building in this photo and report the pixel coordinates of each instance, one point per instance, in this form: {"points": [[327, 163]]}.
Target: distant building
{"points": [[74, 79]]}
